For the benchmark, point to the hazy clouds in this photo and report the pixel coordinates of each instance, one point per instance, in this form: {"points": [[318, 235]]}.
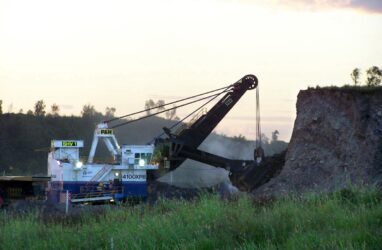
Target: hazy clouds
{"points": [[370, 5], [367, 5]]}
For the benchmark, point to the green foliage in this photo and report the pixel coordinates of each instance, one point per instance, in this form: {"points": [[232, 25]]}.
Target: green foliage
{"points": [[55, 109], [351, 89], [89, 112], [162, 151], [348, 219], [110, 112], [275, 135], [374, 76], [39, 108], [373, 79], [355, 74], [159, 105], [149, 104], [239, 137], [25, 138], [171, 114]]}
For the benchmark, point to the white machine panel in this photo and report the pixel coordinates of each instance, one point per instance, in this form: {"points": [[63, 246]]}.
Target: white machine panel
{"points": [[137, 156]]}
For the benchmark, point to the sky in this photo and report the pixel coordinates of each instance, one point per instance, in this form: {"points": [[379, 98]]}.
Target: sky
{"points": [[120, 53]]}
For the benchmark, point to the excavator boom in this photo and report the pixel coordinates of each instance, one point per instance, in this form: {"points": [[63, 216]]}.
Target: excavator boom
{"points": [[202, 127], [184, 145]]}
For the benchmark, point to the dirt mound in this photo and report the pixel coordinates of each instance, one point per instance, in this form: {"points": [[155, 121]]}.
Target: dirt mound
{"points": [[336, 142]]}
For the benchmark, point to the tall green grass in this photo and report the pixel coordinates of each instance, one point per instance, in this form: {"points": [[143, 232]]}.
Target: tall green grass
{"points": [[348, 219]]}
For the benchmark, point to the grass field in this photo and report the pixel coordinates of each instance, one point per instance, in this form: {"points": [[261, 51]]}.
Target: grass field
{"points": [[348, 219]]}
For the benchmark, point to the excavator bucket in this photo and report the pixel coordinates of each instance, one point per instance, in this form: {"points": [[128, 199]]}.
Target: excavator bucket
{"points": [[255, 175]]}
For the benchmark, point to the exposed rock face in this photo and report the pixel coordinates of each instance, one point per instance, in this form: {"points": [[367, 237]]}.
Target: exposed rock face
{"points": [[336, 142]]}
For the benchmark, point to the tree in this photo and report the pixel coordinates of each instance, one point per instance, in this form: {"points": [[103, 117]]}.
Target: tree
{"points": [[109, 112], [148, 105], [374, 76], [88, 110], [275, 135], [355, 74], [159, 105], [240, 137], [1, 108], [29, 112], [171, 114], [39, 108], [55, 109]]}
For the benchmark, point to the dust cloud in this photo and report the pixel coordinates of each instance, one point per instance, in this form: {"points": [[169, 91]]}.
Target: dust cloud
{"points": [[193, 174]]}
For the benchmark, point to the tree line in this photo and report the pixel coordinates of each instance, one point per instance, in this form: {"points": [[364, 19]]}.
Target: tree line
{"points": [[159, 106], [89, 111], [373, 76]]}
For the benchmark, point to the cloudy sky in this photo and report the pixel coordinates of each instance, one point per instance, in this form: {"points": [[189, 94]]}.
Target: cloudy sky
{"points": [[121, 53]]}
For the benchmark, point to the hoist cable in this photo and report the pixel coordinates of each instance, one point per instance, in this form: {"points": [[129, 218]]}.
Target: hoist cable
{"points": [[160, 112], [193, 112], [160, 106], [258, 127]]}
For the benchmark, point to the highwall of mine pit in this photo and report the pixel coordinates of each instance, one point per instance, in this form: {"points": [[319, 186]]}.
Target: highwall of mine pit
{"points": [[336, 142]]}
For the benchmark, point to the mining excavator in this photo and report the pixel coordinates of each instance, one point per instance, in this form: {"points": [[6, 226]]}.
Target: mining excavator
{"points": [[135, 168], [181, 141], [184, 143]]}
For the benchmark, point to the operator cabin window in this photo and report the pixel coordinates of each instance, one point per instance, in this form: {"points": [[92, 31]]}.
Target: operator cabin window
{"points": [[137, 158], [142, 156]]}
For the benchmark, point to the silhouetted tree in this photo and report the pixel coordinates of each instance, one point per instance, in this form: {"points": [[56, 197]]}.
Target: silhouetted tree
{"points": [[1, 107], [171, 114], [109, 112], [55, 109], [275, 135], [240, 137], [159, 105], [88, 111], [355, 74], [29, 112], [148, 105], [39, 108], [374, 76]]}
